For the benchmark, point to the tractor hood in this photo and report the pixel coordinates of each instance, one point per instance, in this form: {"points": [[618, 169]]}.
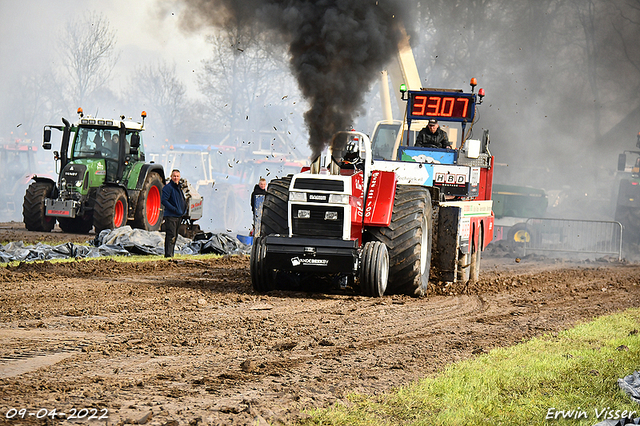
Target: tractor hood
{"points": [[82, 174]]}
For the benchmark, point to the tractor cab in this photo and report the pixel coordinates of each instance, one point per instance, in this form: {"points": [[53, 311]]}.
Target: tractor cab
{"points": [[453, 173], [455, 111], [104, 147], [100, 143]]}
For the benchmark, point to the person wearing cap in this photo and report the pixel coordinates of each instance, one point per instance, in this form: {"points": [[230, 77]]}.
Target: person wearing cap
{"points": [[432, 136]]}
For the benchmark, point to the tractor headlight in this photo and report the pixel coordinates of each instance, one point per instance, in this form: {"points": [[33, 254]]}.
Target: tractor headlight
{"points": [[339, 198], [298, 196], [304, 214], [63, 182], [331, 216], [78, 184]]}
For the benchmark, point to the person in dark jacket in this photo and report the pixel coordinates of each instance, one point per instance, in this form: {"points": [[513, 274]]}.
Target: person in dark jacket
{"points": [[259, 189], [433, 136], [175, 206]]}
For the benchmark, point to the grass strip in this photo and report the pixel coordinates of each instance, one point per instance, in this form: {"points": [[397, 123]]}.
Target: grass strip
{"points": [[566, 378]]}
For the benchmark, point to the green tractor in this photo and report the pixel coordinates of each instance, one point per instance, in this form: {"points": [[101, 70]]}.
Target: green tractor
{"points": [[104, 181], [628, 198]]}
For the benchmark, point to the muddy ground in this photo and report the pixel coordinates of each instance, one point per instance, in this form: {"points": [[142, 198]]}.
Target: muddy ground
{"points": [[187, 341]]}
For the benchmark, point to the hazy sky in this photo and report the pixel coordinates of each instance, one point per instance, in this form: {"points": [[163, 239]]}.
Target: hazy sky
{"points": [[31, 29]]}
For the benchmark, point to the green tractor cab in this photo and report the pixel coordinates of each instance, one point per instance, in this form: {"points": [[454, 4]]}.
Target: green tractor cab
{"points": [[103, 182]]}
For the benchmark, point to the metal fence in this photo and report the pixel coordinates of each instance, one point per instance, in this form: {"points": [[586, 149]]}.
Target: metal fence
{"points": [[574, 236]]}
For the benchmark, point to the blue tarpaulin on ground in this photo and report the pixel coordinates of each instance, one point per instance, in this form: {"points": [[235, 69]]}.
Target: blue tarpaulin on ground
{"points": [[123, 241]]}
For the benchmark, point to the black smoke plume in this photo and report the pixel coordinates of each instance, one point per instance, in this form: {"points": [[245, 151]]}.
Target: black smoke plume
{"points": [[337, 48]]}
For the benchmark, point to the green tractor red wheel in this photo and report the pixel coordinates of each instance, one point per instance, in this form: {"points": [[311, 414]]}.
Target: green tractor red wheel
{"points": [[111, 208], [148, 215], [118, 214], [152, 209]]}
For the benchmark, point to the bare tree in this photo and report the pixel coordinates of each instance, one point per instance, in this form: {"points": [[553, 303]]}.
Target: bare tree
{"points": [[38, 97], [245, 75], [626, 26], [88, 51], [163, 95], [611, 58], [589, 17], [455, 38]]}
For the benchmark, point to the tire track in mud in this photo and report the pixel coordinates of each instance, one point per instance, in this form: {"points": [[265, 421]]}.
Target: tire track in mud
{"points": [[394, 329], [436, 315], [23, 351], [399, 320]]}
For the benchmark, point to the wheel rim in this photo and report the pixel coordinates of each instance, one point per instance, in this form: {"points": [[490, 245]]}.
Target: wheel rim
{"points": [[384, 272], [522, 236], [118, 214], [152, 210]]}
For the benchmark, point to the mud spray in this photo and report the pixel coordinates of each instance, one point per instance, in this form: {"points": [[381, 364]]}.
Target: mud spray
{"points": [[337, 48]]}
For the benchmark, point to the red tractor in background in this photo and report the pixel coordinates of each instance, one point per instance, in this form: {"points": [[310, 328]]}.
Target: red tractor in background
{"points": [[387, 222], [18, 163]]}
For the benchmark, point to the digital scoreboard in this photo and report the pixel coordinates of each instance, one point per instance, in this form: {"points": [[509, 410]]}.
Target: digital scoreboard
{"points": [[445, 106]]}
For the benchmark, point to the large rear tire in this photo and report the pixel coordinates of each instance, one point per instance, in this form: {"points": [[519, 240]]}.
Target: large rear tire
{"points": [[408, 239], [111, 208], [275, 208], [374, 273], [33, 210], [262, 278], [78, 225], [148, 215]]}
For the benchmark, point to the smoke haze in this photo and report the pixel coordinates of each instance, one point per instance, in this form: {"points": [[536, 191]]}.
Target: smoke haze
{"points": [[337, 49]]}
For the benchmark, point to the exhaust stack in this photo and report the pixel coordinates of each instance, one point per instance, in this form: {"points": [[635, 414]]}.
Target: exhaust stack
{"points": [[315, 165]]}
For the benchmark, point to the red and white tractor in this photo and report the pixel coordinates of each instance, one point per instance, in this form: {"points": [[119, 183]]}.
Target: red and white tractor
{"points": [[383, 215]]}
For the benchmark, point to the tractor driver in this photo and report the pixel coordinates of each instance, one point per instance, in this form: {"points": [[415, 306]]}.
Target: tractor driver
{"points": [[432, 136], [115, 140], [110, 145]]}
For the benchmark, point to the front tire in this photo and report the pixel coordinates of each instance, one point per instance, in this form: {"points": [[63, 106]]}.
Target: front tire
{"points": [[262, 278], [33, 209], [148, 215], [374, 273], [409, 240], [110, 211]]}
